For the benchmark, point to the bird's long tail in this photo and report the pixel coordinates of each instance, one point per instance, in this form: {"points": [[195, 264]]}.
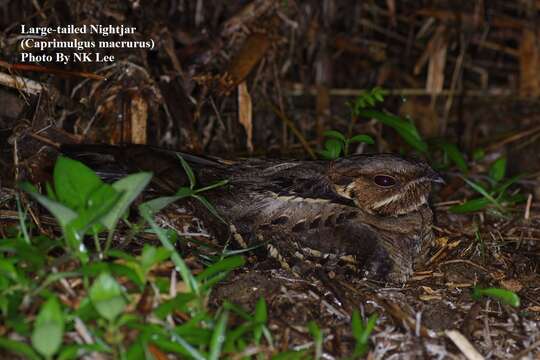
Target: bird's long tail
{"points": [[112, 162]]}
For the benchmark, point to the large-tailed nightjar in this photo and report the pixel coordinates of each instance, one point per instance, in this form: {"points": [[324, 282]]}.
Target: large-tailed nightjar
{"points": [[365, 212]]}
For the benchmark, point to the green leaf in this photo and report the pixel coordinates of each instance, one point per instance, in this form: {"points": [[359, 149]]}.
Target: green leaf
{"points": [[291, 355], [19, 348], [227, 264], [357, 324], [317, 335], [100, 202], [156, 205], [470, 206], [73, 182], [498, 169], [130, 270], [210, 207], [261, 317], [48, 328], [404, 128], [151, 256], [334, 134], [180, 264], [456, 156], [212, 186], [61, 213], [130, 187], [218, 336], [333, 148], [188, 171], [325, 155], [479, 154], [179, 302], [379, 93], [177, 345], [506, 296], [503, 186], [8, 270], [362, 139], [361, 333], [77, 351], [106, 296], [370, 100], [372, 321], [484, 193]]}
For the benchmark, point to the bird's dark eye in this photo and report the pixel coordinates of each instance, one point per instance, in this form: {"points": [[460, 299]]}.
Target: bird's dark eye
{"points": [[384, 180]]}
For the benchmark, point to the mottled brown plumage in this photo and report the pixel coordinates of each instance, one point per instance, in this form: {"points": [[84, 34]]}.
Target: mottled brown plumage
{"points": [[367, 212]]}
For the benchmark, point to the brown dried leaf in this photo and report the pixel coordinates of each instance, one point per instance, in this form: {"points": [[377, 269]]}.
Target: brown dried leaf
{"points": [[245, 113], [157, 353], [248, 56], [139, 117], [512, 285], [437, 62], [528, 63]]}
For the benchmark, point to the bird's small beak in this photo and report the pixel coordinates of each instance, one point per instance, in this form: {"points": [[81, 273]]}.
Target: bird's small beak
{"points": [[436, 178]]}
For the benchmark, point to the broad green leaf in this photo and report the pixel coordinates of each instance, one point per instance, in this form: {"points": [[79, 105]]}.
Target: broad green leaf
{"points": [[48, 328], [362, 139], [325, 154], [100, 202], [19, 347], [62, 214], [130, 186], [334, 134], [333, 147], [497, 170], [106, 296], [73, 182], [8, 269], [404, 128], [456, 156], [185, 192], [130, 270], [151, 256]]}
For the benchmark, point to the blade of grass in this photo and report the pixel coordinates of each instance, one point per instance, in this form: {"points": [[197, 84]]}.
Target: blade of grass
{"points": [[181, 266], [218, 336], [484, 193]]}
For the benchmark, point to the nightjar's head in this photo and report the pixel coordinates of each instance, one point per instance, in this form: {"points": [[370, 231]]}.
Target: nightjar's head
{"points": [[383, 184]]}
